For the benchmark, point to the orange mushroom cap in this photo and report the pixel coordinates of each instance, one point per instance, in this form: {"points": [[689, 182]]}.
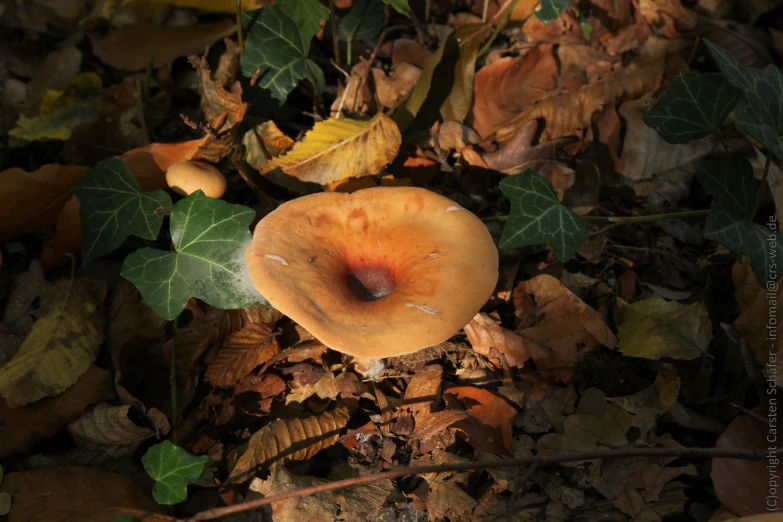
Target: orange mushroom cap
{"points": [[378, 273]]}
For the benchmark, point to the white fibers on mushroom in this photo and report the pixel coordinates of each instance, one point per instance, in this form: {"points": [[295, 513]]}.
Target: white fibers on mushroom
{"points": [[435, 255], [428, 309], [279, 259], [453, 208]]}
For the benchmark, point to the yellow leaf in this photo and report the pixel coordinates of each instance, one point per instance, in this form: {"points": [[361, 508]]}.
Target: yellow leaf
{"points": [[60, 112], [655, 328], [334, 150], [60, 347]]}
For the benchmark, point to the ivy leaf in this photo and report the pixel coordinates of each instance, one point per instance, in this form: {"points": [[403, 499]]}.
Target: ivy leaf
{"points": [[760, 110], [538, 217], [307, 14], [363, 22], [172, 468], [551, 9], [401, 6], [277, 49], [112, 207], [730, 221], [693, 106], [210, 237]]}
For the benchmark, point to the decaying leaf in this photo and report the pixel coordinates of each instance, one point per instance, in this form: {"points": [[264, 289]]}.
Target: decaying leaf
{"points": [[68, 493], [23, 427], [109, 429], [659, 397], [61, 345], [447, 501], [493, 412], [133, 47], [488, 338], [222, 109], [244, 349], [346, 384], [263, 142], [656, 328], [339, 149], [60, 112], [289, 439], [33, 200]]}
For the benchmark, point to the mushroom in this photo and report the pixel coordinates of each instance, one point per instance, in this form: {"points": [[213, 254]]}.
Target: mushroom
{"points": [[186, 177], [377, 273]]}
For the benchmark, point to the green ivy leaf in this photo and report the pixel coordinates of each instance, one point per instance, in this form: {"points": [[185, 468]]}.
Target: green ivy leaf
{"points": [[172, 468], [538, 217], [760, 111], [693, 106], [277, 49], [730, 221], [551, 9], [210, 237], [307, 14], [112, 207], [401, 6], [363, 22]]}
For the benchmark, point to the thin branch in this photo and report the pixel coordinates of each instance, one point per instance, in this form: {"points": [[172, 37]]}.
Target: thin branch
{"points": [[541, 462], [647, 219]]}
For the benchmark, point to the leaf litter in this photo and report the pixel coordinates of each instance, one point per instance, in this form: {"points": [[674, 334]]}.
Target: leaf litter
{"points": [[131, 333]]}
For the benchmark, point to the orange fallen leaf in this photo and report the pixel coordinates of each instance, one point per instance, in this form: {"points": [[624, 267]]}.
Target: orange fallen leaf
{"points": [[133, 47], [33, 200], [68, 493], [494, 413], [22, 428], [245, 349]]}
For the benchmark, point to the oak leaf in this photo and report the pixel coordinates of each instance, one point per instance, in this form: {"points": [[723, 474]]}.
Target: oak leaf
{"points": [[339, 149], [61, 345]]}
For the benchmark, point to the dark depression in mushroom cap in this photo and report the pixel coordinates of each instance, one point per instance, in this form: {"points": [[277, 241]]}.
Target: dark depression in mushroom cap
{"points": [[377, 273]]}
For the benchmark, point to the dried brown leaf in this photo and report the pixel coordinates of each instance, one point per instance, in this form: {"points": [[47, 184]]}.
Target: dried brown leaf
{"points": [[495, 414], [659, 397], [491, 340], [133, 47], [290, 439], [447, 501], [346, 385], [391, 89], [22, 428], [244, 349], [222, 109], [69, 493]]}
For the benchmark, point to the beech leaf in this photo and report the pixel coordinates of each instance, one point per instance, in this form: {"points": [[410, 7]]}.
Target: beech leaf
{"points": [[334, 150], [538, 217], [173, 469], [210, 238], [693, 106], [655, 328], [276, 49], [112, 207]]}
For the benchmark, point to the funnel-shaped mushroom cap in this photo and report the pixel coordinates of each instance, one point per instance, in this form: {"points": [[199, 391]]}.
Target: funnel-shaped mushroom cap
{"points": [[377, 273]]}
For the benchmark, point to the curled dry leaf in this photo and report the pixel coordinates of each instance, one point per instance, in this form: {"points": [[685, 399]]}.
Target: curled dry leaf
{"points": [[33, 200], [290, 439], [61, 345], [518, 154], [109, 429], [346, 384], [391, 89], [568, 114], [339, 149], [21, 428], [68, 493], [133, 47], [244, 349], [491, 340], [222, 109], [264, 142]]}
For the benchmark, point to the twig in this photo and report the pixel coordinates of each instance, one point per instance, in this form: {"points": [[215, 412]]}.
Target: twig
{"points": [[543, 462], [520, 488], [647, 219], [504, 13]]}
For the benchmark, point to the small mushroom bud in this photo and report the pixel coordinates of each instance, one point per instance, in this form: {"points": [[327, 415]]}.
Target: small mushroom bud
{"points": [[186, 177]]}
